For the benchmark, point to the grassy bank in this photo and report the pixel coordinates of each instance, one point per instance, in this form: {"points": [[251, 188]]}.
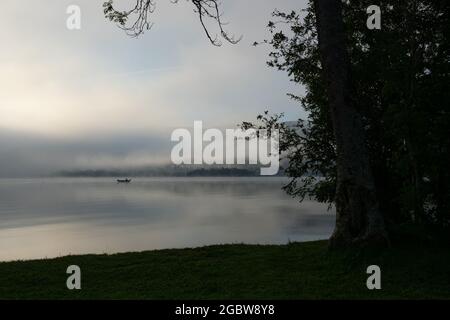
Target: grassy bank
{"points": [[294, 271]]}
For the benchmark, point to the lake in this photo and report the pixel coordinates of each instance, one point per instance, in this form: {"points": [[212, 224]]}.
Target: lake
{"points": [[53, 217]]}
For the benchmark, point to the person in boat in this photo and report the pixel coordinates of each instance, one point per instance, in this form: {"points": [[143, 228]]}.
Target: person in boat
{"points": [[123, 180]]}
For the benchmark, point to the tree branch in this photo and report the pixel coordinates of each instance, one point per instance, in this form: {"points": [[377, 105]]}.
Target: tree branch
{"points": [[209, 9]]}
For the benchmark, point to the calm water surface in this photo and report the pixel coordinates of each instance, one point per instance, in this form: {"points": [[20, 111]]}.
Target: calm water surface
{"points": [[52, 217]]}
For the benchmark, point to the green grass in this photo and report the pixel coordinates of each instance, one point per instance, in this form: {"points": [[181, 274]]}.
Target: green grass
{"points": [[294, 271]]}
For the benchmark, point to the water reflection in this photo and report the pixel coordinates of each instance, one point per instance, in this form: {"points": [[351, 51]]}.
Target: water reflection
{"points": [[52, 217]]}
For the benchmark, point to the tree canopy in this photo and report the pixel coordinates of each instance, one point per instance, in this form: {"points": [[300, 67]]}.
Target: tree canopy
{"points": [[401, 80]]}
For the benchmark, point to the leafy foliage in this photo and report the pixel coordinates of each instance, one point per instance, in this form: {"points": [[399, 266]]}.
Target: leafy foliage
{"points": [[401, 80]]}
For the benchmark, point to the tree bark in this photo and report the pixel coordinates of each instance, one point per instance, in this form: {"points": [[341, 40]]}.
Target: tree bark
{"points": [[359, 220]]}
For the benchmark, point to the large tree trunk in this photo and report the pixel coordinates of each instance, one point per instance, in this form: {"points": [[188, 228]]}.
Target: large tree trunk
{"points": [[359, 220]]}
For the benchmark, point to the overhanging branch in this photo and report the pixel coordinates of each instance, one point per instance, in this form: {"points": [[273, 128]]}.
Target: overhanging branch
{"points": [[205, 9]]}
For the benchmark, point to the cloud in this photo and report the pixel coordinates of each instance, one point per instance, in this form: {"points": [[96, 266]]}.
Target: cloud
{"points": [[97, 85], [25, 155]]}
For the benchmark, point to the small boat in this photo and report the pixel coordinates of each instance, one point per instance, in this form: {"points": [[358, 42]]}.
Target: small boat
{"points": [[123, 180]]}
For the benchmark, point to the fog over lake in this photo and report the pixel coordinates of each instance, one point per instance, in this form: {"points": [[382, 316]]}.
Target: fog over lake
{"points": [[59, 216]]}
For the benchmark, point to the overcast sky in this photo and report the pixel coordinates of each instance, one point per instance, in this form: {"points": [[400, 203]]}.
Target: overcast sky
{"points": [[95, 98]]}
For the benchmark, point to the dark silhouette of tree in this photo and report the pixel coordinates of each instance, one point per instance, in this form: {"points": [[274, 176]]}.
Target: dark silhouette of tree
{"points": [[205, 9], [357, 209], [399, 84]]}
